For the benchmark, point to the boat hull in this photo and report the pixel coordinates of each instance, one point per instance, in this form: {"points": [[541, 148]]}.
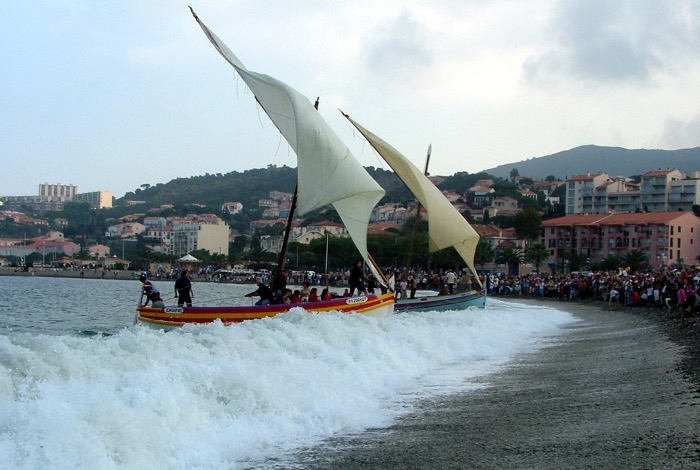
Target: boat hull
{"points": [[169, 317], [458, 301]]}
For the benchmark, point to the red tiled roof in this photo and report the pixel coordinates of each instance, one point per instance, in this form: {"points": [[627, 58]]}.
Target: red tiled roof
{"points": [[658, 172], [640, 218], [584, 177]]}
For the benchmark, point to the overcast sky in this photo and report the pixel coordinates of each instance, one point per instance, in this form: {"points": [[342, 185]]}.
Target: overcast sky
{"points": [[112, 95]]}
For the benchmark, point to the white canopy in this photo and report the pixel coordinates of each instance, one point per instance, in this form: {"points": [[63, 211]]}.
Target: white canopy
{"points": [[188, 259]]}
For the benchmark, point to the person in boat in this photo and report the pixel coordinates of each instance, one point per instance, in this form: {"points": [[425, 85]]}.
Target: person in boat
{"points": [[287, 297], [296, 296], [413, 285], [305, 291], [313, 295], [356, 279], [326, 294], [451, 279], [263, 291], [151, 292], [183, 290]]}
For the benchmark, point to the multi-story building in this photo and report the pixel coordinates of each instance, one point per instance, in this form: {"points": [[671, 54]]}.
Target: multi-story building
{"points": [[580, 190], [65, 191], [658, 191], [96, 199], [666, 238], [35, 203], [684, 194], [654, 189], [187, 238]]}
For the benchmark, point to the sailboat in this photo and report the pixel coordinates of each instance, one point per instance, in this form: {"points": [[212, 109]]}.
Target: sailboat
{"points": [[327, 173], [446, 228]]}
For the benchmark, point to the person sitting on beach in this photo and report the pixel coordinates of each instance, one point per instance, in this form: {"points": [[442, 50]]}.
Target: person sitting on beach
{"points": [[151, 292], [263, 291], [614, 295]]}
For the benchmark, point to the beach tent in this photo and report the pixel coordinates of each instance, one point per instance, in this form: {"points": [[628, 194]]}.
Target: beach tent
{"points": [[188, 261]]}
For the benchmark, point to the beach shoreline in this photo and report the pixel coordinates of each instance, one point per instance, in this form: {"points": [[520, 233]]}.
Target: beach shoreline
{"points": [[619, 389]]}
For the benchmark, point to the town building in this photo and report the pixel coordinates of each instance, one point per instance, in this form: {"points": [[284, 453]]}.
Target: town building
{"points": [[64, 191], [96, 199], [658, 191], [666, 238], [187, 238]]}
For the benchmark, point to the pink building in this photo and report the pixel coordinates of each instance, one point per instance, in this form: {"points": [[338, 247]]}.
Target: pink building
{"points": [[666, 238]]}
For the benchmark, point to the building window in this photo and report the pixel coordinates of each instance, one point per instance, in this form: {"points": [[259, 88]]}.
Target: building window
{"points": [[678, 255], [670, 242], [679, 242], [679, 229]]}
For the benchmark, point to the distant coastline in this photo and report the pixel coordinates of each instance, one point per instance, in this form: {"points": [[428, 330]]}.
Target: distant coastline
{"points": [[86, 274]]}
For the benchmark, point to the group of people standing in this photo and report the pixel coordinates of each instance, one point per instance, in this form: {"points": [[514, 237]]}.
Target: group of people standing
{"points": [[183, 291]]}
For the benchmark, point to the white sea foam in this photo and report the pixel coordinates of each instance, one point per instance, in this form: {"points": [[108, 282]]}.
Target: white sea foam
{"points": [[215, 397]]}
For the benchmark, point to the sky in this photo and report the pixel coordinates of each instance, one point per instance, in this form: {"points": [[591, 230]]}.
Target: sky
{"points": [[114, 95]]}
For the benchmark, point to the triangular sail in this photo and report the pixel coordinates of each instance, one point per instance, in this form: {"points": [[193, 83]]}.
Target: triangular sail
{"points": [[446, 226], [327, 172]]}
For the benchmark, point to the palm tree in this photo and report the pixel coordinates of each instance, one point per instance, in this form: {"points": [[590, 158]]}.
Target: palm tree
{"points": [[510, 256], [536, 253], [484, 253], [635, 259]]}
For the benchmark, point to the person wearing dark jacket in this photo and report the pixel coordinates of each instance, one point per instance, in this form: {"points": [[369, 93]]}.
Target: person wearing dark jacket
{"points": [[263, 291], [183, 290]]}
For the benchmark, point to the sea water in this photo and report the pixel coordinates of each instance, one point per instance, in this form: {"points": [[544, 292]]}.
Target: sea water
{"points": [[82, 387]]}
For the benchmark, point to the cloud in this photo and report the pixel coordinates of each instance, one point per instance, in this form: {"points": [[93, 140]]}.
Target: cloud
{"points": [[679, 134], [615, 41], [398, 50]]}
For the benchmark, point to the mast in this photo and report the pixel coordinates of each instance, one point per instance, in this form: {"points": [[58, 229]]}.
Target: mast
{"points": [[416, 220], [278, 278]]}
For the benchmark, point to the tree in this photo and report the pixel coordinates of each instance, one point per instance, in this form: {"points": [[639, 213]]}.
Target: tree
{"points": [[510, 256], [536, 253], [528, 224], [636, 260], [514, 174], [484, 253]]}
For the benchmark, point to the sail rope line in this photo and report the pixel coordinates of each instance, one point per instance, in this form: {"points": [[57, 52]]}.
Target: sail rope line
{"points": [[363, 142]]}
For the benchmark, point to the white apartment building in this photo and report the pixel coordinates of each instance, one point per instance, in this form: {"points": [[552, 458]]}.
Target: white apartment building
{"points": [[66, 191], [580, 190], [658, 191]]}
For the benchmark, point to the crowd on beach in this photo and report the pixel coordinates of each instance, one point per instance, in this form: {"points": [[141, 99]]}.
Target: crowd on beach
{"points": [[671, 289]]}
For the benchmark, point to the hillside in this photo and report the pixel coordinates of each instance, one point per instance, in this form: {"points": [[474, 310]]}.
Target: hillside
{"points": [[616, 161], [246, 187]]}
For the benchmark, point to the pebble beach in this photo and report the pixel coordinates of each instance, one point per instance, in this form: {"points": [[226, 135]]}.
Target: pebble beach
{"points": [[620, 389]]}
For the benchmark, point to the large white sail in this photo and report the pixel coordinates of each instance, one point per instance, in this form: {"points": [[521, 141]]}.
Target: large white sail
{"points": [[327, 172], [446, 226]]}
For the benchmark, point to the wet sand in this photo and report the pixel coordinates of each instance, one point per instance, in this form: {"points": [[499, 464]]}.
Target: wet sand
{"points": [[620, 390]]}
